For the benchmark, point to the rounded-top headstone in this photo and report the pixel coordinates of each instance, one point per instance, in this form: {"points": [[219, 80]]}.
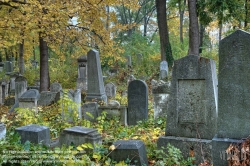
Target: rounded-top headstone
{"points": [[55, 87], [20, 79]]}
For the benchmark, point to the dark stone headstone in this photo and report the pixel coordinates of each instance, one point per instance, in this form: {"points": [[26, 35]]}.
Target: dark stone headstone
{"points": [[34, 133], [137, 102], [96, 89], [133, 150]]}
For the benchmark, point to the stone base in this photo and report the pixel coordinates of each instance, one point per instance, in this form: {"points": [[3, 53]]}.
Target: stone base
{"points": [[219, 147], [96, 98], [114, 111], [202, 147]]}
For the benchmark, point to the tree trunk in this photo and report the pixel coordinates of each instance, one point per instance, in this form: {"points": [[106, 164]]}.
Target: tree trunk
{"points": [[166, 51], [21, 58], [193, 29], [246, 14], [181, 11], [44, 66], [202, 30]]}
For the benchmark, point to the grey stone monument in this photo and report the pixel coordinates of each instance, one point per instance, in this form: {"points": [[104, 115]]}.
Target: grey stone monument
{"points": [[75, 96], [82, 73], [12, 82], [29, 99], [20, 87], [78, 135], [8, 67], [48, 98], [35, 134], [1, 66], [96, 89], [90, 108], [137, 102], [2, 130], [55, 87], [129, 61], [134, 150], [160, 91], [163, 69], [110, 89], [192, 108], [233, 93]]}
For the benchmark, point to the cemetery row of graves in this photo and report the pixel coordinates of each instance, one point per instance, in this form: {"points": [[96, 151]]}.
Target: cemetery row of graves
{"points": [[190, 120]]}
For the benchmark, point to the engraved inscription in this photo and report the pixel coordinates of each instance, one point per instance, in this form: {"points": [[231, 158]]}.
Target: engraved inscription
{"points": [[191, 102]]}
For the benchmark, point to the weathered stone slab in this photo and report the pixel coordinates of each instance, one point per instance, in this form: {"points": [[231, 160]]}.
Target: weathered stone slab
{"points": [[115, 111], [192, 108], [90, 108], [96, 89], [20, 87], [233, 87], [163, 69], [55, 87], [29, 99], [35, 134], [137, 102], [110, 89], [48, 98], [78, 135], [133, 150]]}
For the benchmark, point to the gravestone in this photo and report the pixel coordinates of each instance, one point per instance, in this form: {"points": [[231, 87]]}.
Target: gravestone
{"points": [[192, 107], [75, 96], [29, 99], [110, 89], [160, 91], [12, 82], [48, 98], [2, 130], [35, 134], [137, 102], [34, 63], [139, 58], [233, 92], [134, 150], [20, 87], [129, 61], [119, 112], [90, 108], [163, 69], [8, 67], [1, 66], [82, 73], [2, 91], [55, 87], [96, 89], [78, 135]]}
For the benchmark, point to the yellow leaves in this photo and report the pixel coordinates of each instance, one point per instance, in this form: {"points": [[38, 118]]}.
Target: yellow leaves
{"points": [[112, 147]]}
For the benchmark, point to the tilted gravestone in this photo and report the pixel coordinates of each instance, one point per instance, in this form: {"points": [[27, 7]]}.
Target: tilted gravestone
{"points": [[110, 89], [163, 69], [96, 89], [35, 134], [192, 107], [82, 73], [137, 102], [20, 87], [29, 99], [78, 135], [133, 150], [233, 92], [55, 87], [48, 98]]}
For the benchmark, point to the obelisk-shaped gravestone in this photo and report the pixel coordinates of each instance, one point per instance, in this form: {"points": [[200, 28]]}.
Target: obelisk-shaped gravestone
{"points": [[95, 83]]}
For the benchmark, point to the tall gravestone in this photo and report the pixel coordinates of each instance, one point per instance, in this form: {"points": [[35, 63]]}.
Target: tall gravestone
{"points": [[20, 87], [96, 89], [192, 108], [82, 73], [233, 92], [137, 102]]}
